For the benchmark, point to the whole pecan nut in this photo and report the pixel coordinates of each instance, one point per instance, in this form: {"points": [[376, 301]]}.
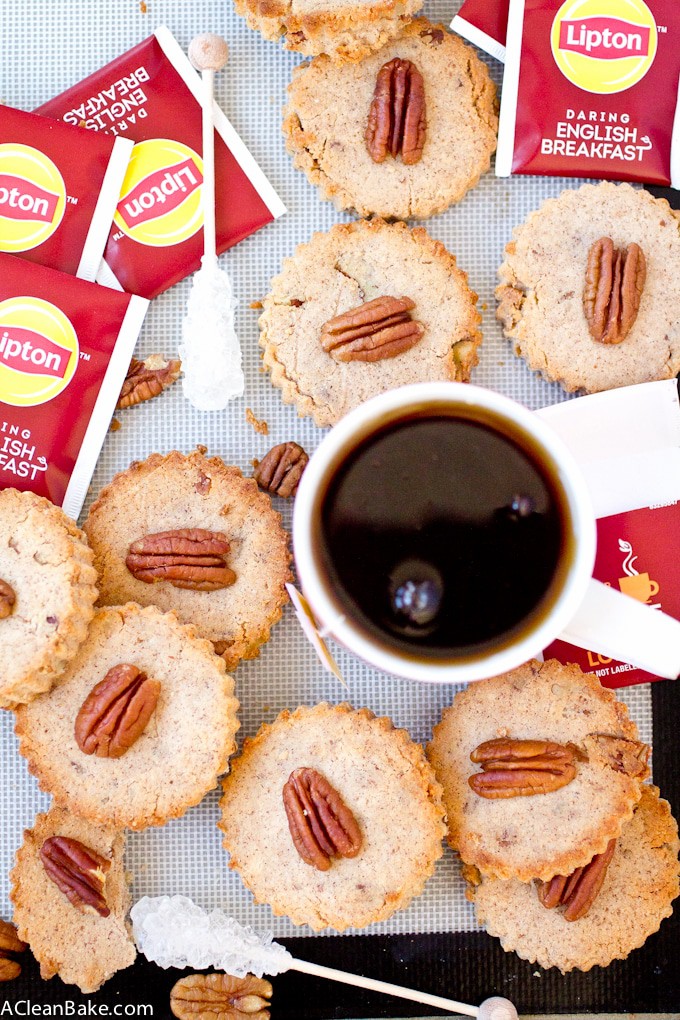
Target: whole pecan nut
{"points": [[220, 997], [280, 470], [187, 558], [615, 279], [397, 121], [321, 825], [10, 946], [577, 892], [7, 599], [521, 768], [146, 379], [382, 328], [116, 712], [78, 872]]}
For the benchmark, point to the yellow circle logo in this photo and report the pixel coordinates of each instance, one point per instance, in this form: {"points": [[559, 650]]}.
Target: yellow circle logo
{"points": [[32, 197], [38, 351], [604, 46], [161, 197]]}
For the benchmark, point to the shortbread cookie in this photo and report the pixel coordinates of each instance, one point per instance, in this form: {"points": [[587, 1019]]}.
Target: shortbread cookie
{"points": [[385, 783], [80, 945], [345, 29], [639, 886], [544, 277], [177, 752], [549, 833], [47, 594], [178, 492], [326, 119], [350, 266]]}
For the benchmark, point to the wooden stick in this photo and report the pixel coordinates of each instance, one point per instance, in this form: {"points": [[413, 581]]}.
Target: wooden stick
{"points": [[208, 53], [491, 1009]]}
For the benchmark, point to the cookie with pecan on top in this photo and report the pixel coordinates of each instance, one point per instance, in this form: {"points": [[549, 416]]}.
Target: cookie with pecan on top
{"points": [[339, 124], [636, 893], [189, 533], [47, 594], [332, 816], [570, 313], [362, 309], [67, 935], [541, 768], [144, 701]]}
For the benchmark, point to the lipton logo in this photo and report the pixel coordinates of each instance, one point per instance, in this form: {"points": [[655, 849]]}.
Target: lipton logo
{"points": [[604, 38], [32, 197], [161, 197], [599, 52], [24, 350], [38, 351], [160, 193], [24, 200]]}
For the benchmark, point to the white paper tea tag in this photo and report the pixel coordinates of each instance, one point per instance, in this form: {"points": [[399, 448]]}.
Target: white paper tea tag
{"points": [[310, 629]]}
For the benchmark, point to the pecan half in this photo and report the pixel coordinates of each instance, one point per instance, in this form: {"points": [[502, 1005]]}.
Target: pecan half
{"points": [[77, 871], [521, 768], [321, 825], [615, 279], [280, 470], [397, 121], [187, 558], [220, 997], [10, 946], [577, 892], [146, 379], [7, 599], [116, 711], [382, 328]]}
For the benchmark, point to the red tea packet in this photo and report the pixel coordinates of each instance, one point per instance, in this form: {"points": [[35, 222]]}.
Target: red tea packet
{"points": [[484, 23], [636, 554], [152, 95], [59, 187], [65, 347], [590, 89], [627, 442]]}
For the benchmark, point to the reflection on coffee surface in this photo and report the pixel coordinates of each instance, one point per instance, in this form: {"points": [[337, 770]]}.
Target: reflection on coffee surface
{"points": [[441, 535]]}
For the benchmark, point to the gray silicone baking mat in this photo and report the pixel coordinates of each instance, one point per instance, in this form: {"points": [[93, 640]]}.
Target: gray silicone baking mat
{"points": [[46, 46]]}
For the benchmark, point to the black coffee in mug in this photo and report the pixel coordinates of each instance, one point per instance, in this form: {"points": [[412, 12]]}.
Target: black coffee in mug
{"points": [[443, 535]]}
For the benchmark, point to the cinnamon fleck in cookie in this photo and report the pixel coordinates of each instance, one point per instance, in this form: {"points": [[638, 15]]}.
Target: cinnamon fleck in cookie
{"points": [[237, 593], [639, 886], [382, 791], [329, 106], [345, 29], [544, 282], [67, 937], [360, 274], [592, 744], [47, 594], [174, 758]]}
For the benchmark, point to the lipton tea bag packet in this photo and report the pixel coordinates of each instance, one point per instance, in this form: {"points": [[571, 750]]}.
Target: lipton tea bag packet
{"points": [[484, 23], [627, 443], [590, 89], [65, 347], [59, 186], [152, 95]]}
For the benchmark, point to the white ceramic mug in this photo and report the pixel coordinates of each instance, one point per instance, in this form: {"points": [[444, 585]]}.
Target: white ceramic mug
{"points": [[582, 611]]}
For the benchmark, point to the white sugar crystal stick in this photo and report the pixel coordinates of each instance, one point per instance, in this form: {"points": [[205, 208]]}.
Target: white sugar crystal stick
{"points": [[210, 351], [172, 931]]}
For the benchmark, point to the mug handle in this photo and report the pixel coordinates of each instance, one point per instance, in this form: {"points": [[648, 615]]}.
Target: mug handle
{"points": [[620, 627]]}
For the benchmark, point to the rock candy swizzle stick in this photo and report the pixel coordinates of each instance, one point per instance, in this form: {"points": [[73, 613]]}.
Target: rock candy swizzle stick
{"points": [[172, 931], [210, 351]]}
